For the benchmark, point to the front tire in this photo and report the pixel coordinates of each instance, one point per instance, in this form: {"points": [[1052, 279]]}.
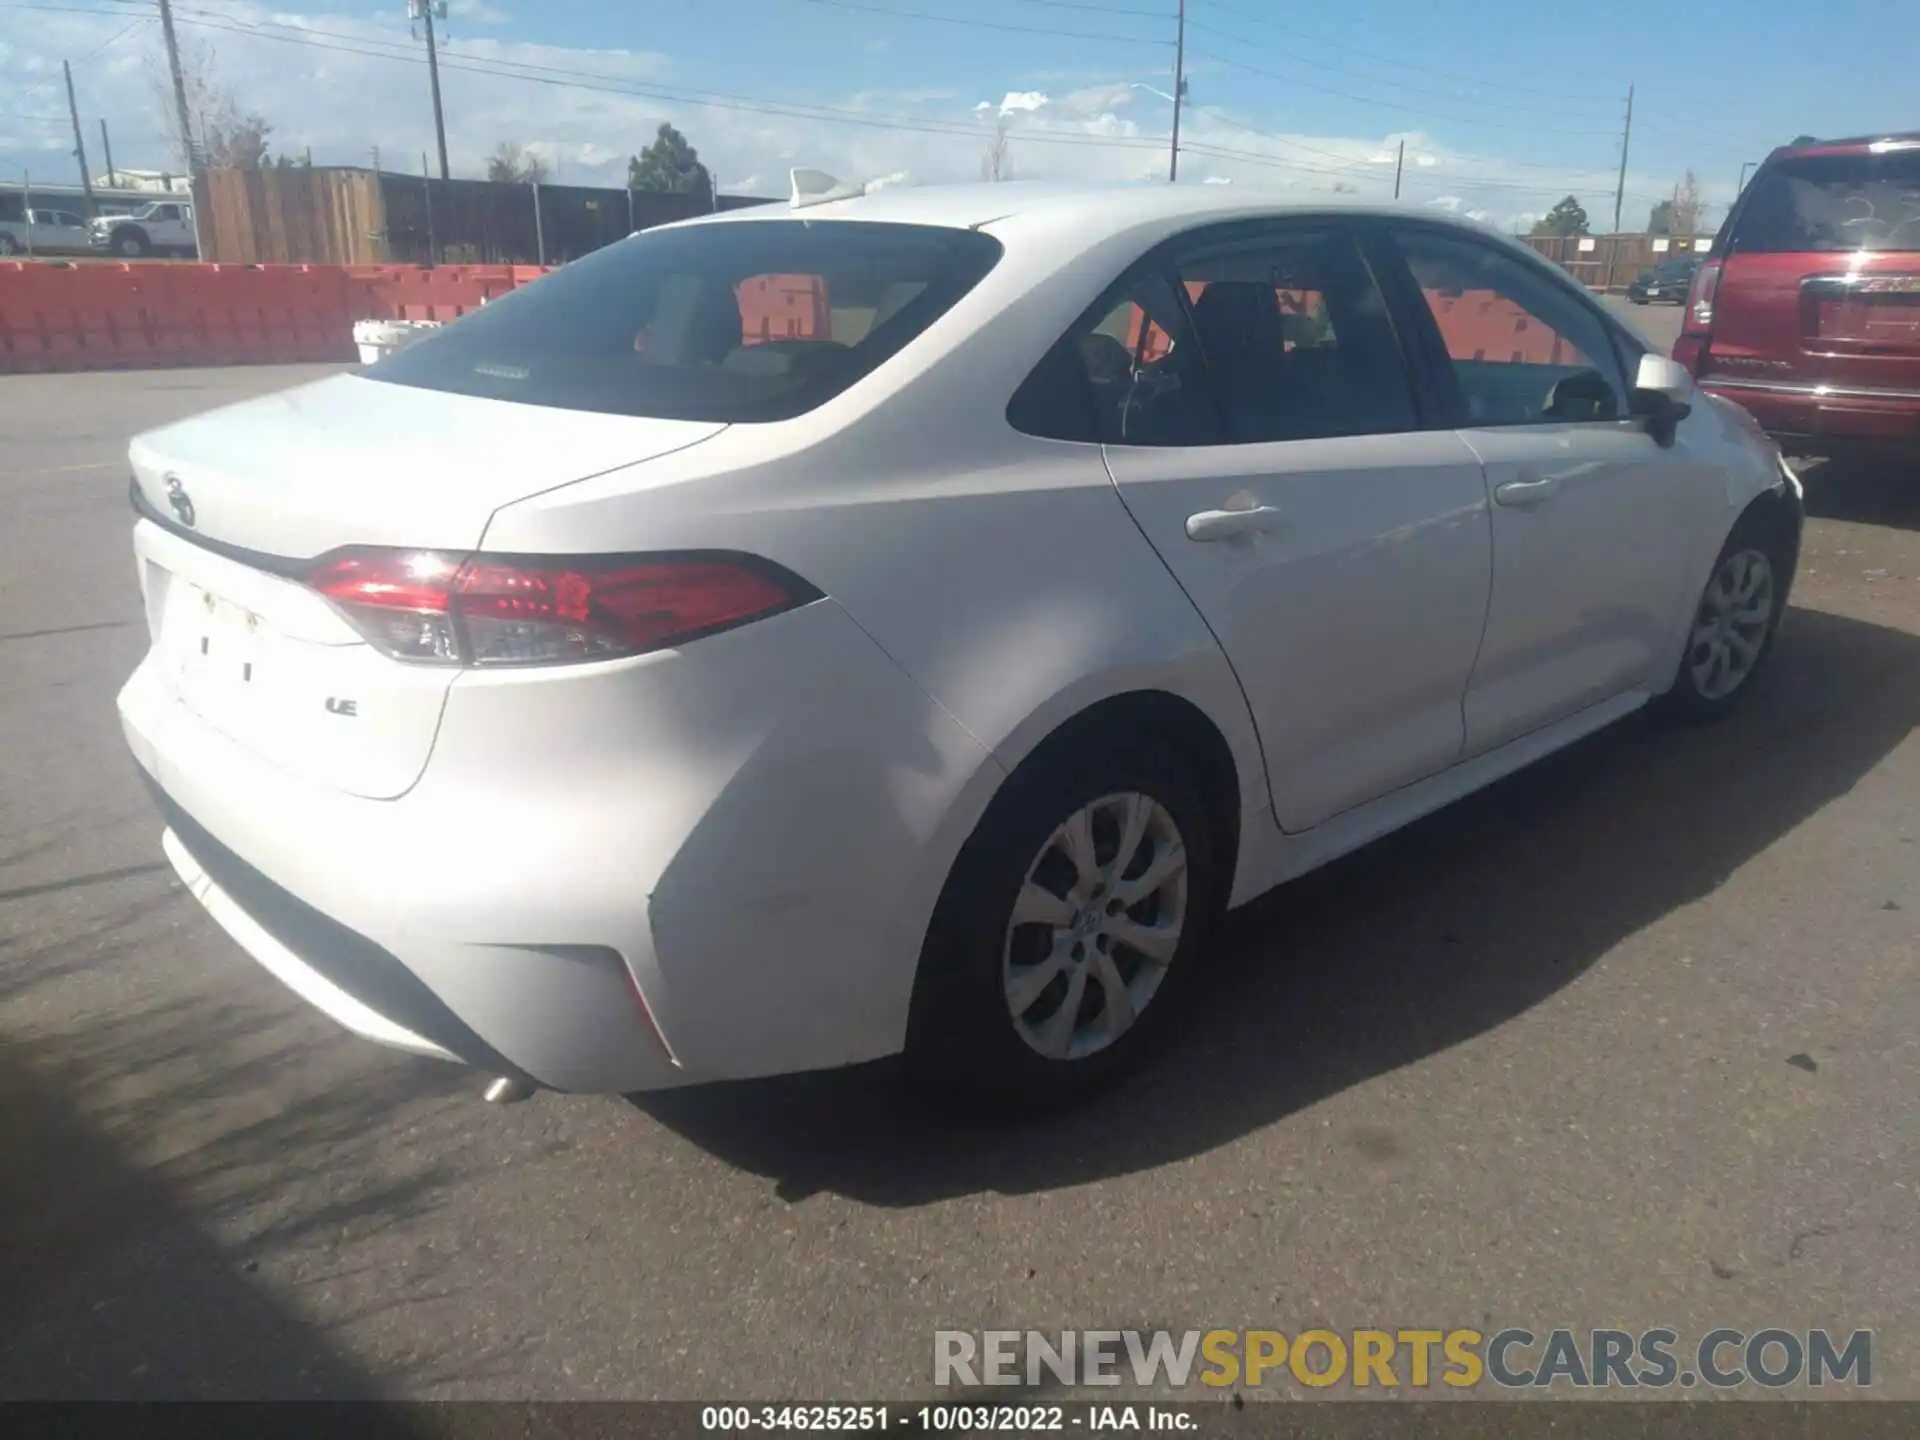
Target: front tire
{"points": [[1734, 622], [130, 243], [1071, 925]]}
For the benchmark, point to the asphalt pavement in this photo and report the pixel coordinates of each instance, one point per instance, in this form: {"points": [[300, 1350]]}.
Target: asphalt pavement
{"points": [[1631, 1039]]}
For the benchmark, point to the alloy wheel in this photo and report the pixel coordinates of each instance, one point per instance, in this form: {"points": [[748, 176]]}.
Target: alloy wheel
{"points": [[1096, 926], [1730, 629]]}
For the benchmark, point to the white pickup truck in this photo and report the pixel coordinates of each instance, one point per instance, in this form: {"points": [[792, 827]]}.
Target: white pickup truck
{"points": [[162, 228]]}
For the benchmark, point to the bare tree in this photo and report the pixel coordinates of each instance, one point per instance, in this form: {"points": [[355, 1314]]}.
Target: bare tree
{"points": [[996, 163], [514, 164], [224, 135], [1689, 206]]}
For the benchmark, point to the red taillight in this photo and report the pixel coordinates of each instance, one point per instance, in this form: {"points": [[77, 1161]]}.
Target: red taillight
{"points": [[1699, 312], [544, 610]]}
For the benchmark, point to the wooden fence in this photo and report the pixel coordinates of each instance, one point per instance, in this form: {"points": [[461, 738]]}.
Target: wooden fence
{"points": [[346, 216], [1610, 262], [290, 217]]}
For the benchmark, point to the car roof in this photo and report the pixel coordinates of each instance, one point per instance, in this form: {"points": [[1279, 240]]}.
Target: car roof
{"points": [[1853, 145], [980, 204], [1048, 223]]}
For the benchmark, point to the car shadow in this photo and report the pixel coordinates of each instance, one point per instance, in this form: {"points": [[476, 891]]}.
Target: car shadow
{"points": [[1421, 941], [1868, 492], [116, 1288]]}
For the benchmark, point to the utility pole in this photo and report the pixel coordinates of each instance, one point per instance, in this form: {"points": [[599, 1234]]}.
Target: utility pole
{"points": [[1620, 190], [79, 145], [184, 121], [181, 117], [106, 150], [1179, 90], [426, 184], [1399, 163], [425, 9]]}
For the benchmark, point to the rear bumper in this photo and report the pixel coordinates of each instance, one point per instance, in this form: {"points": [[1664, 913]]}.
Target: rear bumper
{"points": [[1823, 419], [700, 865]]}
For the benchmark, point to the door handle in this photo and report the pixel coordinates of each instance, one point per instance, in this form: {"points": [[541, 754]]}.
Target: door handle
{"points": [[1522, 493], [1224, 524]]}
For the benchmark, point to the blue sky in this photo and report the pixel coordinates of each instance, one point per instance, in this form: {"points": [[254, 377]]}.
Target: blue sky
{"points": [[1504, 104]]}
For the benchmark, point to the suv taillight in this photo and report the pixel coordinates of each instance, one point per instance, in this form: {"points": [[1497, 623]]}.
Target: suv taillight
{"points": [[438, 609], [1696, 320], [1706, 281]]}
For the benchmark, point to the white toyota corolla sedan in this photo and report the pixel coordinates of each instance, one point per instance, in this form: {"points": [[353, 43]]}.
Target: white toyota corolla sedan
{"points": [[906, 623]]}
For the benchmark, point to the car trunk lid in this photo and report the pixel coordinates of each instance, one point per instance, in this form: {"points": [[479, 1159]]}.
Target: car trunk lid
{"points": [[241, 502]]}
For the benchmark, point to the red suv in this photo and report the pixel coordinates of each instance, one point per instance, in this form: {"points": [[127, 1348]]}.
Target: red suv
{"points": [[1808, 316]]}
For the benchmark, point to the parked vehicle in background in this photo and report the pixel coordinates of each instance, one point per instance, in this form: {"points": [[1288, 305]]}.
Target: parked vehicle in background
{"points": [[41, 232], [1667, 282], [1808, 314], [615, 691], [60, 232], [13, 224], [162, 228]]}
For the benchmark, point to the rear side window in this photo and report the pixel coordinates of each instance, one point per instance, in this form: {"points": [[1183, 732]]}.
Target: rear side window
{"points": [[1297, 340], [747, 322], [1273, 339], [1827, 203]]}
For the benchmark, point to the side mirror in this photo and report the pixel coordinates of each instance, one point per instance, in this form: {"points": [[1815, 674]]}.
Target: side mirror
{"points": [[1662, 395]]}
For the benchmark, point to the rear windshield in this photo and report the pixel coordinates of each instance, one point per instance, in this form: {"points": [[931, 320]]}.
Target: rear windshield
{"points": [[746, 321], [1667, 269], [1833, 203]]}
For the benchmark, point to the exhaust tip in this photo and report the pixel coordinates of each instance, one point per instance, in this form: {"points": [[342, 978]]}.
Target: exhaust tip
{"points": [[506, 1090]]}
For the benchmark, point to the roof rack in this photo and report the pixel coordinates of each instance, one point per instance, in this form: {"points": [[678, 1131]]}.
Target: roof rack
{"points": [[1803, 142]]}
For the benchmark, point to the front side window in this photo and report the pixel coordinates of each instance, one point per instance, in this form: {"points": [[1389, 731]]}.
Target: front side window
{"points": [[744, 322], [1523, 351]]}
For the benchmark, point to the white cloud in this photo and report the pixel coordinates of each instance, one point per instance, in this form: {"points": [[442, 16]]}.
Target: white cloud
{"points": [[480, 12], [1068, 126], [1023, 102]]}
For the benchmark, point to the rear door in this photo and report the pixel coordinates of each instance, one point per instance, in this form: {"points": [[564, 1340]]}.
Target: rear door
{"points": [[1821, 279], [1335, 542]]}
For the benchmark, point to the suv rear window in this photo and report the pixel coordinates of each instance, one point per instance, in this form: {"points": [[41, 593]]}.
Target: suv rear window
{"points": [[746, 321], [1833, 203]]}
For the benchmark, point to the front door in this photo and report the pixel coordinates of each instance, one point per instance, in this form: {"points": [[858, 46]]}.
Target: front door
{"points": [[1591, 516], [1339, 550]]}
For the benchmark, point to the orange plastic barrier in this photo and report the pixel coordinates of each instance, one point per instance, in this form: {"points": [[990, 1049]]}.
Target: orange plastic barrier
{"points": [[123, 316]]}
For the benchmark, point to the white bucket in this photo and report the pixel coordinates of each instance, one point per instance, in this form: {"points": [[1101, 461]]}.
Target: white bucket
{"points": [[377, 339]]}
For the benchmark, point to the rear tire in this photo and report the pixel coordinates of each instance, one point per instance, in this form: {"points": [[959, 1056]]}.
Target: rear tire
{"points": [[1043, 978], [1734, 621]]}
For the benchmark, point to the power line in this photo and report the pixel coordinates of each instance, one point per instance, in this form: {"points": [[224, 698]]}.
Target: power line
{"points": [[116, 38], [1384, 104], [586, 80], [974, 24], [1397, 84], [1400, 64], [1101, 9]]}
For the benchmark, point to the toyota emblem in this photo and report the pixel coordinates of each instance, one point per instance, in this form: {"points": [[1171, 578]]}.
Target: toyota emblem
{"points": [[181, 502]]}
